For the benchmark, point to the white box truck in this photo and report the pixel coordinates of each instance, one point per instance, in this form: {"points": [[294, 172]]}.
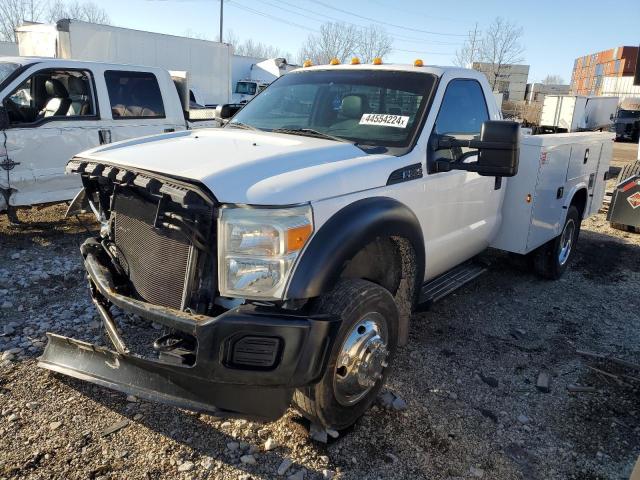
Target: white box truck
{"points": [[260, 75], [285, 252], [577, 113], [208, 63]]}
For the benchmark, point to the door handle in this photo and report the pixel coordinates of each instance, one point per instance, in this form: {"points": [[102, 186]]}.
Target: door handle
{"points": [[104, 134]]}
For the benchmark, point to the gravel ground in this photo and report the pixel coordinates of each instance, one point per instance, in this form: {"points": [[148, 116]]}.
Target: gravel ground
{"points": [[468, 377]]}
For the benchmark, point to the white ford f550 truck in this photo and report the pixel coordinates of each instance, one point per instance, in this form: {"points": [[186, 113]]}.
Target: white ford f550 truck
{"points": [[285, 252]]}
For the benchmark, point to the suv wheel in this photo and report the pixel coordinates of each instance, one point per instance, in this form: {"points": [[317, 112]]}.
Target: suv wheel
{"points": [[358, 364]]}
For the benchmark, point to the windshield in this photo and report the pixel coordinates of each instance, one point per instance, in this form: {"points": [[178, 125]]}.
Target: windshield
{"points": [[246, 88], [6, 69], [381, 108], [629, 114]]}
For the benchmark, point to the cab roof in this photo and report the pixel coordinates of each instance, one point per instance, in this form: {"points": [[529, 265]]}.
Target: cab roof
{"points": [[397, 67], [71, 63]]}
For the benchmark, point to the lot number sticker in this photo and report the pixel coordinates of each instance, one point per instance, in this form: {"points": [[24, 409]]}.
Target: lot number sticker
{"points": [[385, 120]]}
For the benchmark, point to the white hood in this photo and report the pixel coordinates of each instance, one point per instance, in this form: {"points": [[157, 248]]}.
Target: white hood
{"points": [[247, 167]]}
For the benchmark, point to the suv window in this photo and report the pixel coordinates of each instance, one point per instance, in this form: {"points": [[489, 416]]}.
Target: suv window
{"points": [[463, 109], [134, 95], [51, 93]]}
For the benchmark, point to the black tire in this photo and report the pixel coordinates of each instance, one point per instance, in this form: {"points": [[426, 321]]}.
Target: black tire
{"points": [[547, 259], [352, 300], [629, 170]]}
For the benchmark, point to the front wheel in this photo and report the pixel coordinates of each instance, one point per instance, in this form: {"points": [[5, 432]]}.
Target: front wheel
{"points": [[551, 259], [358, 364]]}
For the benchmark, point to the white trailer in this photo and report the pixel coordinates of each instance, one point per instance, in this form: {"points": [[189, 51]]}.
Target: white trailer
{"points": [[577, 113], [208, 63]]}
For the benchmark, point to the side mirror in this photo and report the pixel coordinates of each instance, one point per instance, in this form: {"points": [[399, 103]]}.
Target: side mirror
{"points": [[4, 118], [227, 110], [498, 150]]}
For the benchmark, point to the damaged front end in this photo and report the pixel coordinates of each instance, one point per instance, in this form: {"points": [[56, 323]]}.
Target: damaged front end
{"points": [[156, 258]]}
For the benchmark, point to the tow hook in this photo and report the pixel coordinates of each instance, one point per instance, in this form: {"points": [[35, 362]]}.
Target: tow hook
{"points": [[176, 349]]}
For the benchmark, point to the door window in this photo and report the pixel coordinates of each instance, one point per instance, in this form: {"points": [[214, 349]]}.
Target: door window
{"points": [[134, 95], [462, 113], [51, 94], [463, 109]]}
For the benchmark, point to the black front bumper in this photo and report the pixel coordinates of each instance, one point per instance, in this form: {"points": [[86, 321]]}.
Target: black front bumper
{"points": [[247, 362]]}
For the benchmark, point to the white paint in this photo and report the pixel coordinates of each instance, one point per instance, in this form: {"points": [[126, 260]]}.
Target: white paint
{"points": [[460, 213], [42, 151], [547, 163]]}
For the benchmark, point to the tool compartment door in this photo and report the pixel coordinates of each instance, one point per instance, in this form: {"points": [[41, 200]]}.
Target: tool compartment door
{"points": [[597, 180], [548, 212]]}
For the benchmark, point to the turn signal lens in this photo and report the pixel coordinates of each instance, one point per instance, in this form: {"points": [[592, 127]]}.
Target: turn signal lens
{"points": [[307, 63], [377, 61], [297, 237], [334, 61], [418, 63], [355, 61]]}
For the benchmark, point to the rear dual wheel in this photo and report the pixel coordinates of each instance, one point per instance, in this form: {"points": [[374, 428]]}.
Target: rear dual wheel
{"points": [[358, 364]]}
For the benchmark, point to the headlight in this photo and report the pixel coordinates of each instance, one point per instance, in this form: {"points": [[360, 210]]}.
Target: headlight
{"points": [[257, 248]]}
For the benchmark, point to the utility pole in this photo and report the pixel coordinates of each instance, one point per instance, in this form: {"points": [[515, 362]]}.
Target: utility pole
{"points": [[221, 16]]}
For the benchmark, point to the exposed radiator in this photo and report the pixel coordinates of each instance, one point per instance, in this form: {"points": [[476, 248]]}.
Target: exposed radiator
{"points": [[156, 260]]}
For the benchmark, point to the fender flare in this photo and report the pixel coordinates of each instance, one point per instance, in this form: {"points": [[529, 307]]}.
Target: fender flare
{"points": [[569, 198], [345, 234]]}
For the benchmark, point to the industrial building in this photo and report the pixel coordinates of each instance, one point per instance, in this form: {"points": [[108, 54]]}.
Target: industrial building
{"points": [[536, 92], [590, 71], [510, 80]]}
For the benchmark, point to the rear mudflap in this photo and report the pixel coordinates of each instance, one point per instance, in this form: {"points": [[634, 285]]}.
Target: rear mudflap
{"points": [[160, 382]]}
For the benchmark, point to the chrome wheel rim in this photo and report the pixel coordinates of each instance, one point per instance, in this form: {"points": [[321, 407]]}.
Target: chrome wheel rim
{"points": [[361, 360], [566, 241]]}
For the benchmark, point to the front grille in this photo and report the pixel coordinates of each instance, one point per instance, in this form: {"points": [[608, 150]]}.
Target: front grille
{"points": [[156, 260]]}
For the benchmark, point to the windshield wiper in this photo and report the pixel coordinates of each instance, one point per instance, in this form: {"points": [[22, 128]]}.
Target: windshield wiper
{"points": [[309, 132], [244, 126]]}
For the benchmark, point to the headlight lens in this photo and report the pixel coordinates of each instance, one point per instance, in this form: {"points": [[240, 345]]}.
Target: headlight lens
{"points": [[257, 249]]}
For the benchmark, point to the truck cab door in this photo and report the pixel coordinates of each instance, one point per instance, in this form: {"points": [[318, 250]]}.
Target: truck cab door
{"points": [[464, 207], [53, 116], [136, 100]]}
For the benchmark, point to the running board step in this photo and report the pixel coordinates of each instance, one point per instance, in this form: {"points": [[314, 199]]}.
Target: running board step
{"points": [[441, 286]]}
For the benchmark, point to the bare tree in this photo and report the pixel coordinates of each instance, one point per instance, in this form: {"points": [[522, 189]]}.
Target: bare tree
{"points": [[85, 11], [374, 42], [468, 53], [553, 80], [189, 33], [335, 40], [500, 46], [252, 48], [14, 13]]}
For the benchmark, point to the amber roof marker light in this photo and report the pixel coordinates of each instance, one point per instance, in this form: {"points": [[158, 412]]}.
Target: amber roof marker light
{"points": [[377, 61], [334, 61], [418, 62], [307, 63], [355, 61]]}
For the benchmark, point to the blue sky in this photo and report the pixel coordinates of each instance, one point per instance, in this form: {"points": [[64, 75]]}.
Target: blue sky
{"points": [[555, 32]]}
